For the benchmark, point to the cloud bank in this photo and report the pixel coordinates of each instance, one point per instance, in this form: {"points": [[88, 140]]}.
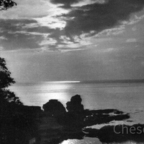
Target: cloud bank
{"points": [[64, 25]]}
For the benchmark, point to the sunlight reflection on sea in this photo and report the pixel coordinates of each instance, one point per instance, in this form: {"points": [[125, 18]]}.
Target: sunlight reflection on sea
{"points": [[38, 94], [125, 97]]}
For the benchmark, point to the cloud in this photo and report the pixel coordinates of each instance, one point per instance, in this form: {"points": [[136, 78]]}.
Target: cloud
{"points": [[65, 3], [30, 33], [112, 31], [16, 41], [76, 3], [131, 40], [135, 20], [98, 17], [54, 18], [2, 38], [87, 2], [27, 9], [65, 24], [13, 37], [49, 41], [8, 25], [1, 48]]}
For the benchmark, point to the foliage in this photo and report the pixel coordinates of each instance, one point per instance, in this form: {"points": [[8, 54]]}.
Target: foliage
{"points": [[5, 4], [5, 81]]}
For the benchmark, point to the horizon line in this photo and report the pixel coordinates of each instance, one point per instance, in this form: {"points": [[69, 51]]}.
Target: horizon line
{"points": [[90, 81]]}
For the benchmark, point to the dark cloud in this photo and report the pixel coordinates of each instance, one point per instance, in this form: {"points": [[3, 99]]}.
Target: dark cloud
{"points": [[19, 41], [14, 24], [40, 29], [26, 34], [12, 29], [84, 19], [97, 17], [14, 39]]}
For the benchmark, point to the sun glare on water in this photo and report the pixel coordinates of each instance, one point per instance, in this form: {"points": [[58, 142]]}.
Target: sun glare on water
{"points": [[54, 90], [63, 82], [40, 93]]}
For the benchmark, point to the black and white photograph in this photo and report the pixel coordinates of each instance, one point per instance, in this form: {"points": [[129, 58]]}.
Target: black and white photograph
{"points": [[71, 71]]}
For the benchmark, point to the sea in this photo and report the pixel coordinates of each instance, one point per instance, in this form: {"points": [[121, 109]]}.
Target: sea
{"points": [[127, 97]]}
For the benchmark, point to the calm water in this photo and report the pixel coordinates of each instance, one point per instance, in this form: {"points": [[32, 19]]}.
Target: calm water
{"points": [[125, 97]]}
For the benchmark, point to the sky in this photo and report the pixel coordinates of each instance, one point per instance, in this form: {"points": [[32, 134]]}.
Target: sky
{"points": [[73, 40]]}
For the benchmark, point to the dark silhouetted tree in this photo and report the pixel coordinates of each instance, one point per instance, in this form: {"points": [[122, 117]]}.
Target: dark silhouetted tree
{"points": [[17, 122], [5, 75], [5, 4], [8, 105], [5, 81]]}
